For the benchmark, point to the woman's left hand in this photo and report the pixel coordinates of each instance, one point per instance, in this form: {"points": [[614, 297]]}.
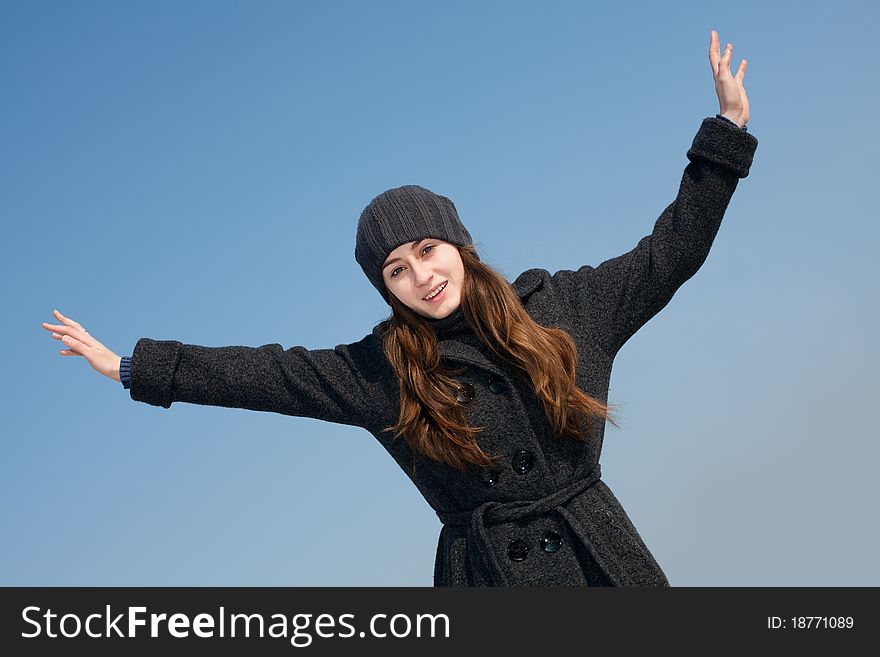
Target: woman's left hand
{"points": [[731, 93]]}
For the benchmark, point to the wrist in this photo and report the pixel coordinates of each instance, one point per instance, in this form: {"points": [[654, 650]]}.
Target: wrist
{"points": [[733, 118]]}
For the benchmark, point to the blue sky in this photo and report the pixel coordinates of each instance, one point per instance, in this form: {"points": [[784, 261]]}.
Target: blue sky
{"points": [[195, 170]]}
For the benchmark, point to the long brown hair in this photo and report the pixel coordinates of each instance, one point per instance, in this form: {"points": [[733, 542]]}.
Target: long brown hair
{"points": [[432, 421]]}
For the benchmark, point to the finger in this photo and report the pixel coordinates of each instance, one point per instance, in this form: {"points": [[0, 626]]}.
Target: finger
{"points": [[55, 327], [60, 317], [60, 331], [69, 321], [724, 63], [741, 71], [68, 352], [714, 56], [74, 345], [63, 327]]}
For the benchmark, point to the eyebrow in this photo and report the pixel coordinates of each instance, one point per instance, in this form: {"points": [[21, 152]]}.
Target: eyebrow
{"points": [[411, 247]]}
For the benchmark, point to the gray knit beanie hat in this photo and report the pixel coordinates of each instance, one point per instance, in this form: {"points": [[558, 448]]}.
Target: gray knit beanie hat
{"points": [[399, 216]]}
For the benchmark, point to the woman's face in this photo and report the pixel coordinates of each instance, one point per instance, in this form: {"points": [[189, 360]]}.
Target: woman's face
{"points": [[415, 269]]}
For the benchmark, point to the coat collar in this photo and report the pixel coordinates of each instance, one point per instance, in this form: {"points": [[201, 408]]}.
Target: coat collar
{"points": [[471, 352], [527, 282], [455, 348]]}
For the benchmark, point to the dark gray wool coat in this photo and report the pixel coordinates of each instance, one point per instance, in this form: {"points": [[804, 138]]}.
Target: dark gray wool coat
{"points": [[542, 516]]}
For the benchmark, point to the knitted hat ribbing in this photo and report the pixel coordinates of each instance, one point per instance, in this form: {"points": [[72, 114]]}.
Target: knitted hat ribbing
{"points": [[399, 216]]}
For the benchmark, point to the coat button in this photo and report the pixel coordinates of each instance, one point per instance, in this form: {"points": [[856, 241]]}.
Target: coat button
{"points": [[551, 541], [489, 477], [517, 550], [465, 393], [496, 385], [522, 461]]}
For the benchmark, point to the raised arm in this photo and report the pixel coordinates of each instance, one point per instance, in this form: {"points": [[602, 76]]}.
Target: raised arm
{"points": [[620, 295], [346, 384]]}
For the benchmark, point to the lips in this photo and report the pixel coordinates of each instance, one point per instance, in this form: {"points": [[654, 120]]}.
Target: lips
{"points": [[424, 298]]}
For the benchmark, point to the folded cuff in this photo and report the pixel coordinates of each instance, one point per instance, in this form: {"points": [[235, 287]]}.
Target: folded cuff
{"points": [[153, 364], [724, 143], [724, 118]]}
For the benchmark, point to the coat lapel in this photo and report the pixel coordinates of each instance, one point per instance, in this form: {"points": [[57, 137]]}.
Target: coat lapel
{"points": [[454, 349]]}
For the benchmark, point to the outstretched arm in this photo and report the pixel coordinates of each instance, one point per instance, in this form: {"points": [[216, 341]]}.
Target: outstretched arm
{"points": [[346, 384], [349, 384]]}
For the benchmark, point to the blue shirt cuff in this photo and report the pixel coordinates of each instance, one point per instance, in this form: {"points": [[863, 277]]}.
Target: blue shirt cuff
{"points": [[125, 372]]}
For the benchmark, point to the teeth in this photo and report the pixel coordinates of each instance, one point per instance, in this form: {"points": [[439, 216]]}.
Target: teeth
{"points": [[439, 289]]}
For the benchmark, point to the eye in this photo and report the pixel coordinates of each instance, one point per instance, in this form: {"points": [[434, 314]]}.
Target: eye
{"points": [[394, 271]]}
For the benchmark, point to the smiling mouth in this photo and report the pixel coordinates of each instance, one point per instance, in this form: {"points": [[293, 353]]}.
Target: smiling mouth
{"points": [[437, 292]]}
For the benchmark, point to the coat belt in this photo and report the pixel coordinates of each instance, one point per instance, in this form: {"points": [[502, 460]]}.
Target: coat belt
{"points": [[482, 556]]}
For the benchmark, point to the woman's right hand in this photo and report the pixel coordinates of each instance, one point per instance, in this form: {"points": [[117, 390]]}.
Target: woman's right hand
{"points": [[80, 343], [732, 98]]}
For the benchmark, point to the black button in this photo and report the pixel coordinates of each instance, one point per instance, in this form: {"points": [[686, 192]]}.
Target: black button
{"points": [[489, 477], [465, 393], [496, 385], [522, 461], [551, 541], [517, 550]]}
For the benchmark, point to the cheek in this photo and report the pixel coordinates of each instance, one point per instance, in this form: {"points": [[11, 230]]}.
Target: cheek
{"points": [[400, 286]]}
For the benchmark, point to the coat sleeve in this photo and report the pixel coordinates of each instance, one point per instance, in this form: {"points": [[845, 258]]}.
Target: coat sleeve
{"points": [[619, 296], [346, 384]]}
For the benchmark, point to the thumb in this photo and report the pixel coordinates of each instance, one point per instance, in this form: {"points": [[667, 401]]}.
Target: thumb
{"points": [[79, 348], [73, 344]]}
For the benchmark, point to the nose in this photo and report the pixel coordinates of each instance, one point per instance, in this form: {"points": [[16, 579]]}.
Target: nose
{"points": [[424, 278]]}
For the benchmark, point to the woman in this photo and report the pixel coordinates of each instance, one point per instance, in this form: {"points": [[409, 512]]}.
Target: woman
{"points": [[491, 396]]}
